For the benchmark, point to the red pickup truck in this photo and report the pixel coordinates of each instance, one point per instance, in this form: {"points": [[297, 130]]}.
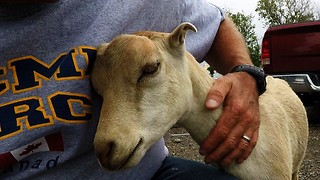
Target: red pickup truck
{"points": [[292, 52]]}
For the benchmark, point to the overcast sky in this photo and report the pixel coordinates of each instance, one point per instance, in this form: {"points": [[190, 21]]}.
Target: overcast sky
{"points": [[247, 7]]}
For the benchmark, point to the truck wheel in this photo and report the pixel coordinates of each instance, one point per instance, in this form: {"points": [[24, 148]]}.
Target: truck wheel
{"points": [[313, 113]]}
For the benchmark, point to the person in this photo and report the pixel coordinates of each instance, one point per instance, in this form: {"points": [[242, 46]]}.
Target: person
{"points": [[48, 110]]}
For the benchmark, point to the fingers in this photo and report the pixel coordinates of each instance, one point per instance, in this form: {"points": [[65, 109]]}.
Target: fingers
{"points": [[251, 146], [233, 147], [240, 150], [230, 145], [218, 134]]}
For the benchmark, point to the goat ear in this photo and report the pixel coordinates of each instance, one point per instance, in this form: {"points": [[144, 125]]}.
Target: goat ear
{"points": [[102, 48], [178, 35]]}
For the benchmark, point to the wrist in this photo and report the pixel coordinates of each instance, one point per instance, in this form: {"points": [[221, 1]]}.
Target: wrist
{"points": [[256, 72]]}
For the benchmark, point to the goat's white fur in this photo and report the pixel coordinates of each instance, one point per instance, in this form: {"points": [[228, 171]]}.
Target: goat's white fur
{"points": [[149, 82]]}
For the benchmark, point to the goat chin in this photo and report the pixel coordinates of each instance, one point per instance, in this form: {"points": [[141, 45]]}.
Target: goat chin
{"points": [[123, 147], [117, 158]]}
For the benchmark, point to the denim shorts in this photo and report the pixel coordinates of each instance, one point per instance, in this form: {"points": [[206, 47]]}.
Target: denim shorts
{"points": [[175, 168]]}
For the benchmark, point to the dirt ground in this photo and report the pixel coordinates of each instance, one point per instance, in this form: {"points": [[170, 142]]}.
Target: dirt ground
{"points": [[180, 144]]}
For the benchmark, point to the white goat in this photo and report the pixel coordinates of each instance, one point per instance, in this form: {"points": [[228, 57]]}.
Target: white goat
{"points": [[149, 82]]}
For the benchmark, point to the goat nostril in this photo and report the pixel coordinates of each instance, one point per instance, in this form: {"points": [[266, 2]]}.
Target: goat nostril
{"points": [[104, 153]]}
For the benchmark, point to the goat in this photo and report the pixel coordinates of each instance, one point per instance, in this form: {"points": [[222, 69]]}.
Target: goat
{"points": [[149, 82]]}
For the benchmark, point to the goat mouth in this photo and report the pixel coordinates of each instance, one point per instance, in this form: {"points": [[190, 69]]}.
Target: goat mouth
{"points": [[125, 162]]}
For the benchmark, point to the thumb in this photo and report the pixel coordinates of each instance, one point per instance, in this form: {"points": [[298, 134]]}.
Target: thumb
{"points": [[214, 99], [212, 103], [217, 93]]}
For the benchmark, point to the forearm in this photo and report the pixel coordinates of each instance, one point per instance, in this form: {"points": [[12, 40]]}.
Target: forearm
{"points": [[228, 49]]}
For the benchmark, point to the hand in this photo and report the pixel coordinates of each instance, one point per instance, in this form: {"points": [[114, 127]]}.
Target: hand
{"points": [[240, 116]]}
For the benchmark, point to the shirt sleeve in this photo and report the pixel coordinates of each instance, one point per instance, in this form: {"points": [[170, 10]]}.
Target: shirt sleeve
{"points": [[207, 18]]}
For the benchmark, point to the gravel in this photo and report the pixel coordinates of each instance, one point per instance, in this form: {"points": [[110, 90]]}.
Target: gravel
{"points": [[180, 144]]}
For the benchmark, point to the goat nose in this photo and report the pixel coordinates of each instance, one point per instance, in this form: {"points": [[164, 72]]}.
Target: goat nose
{"points": [[103, 153]]}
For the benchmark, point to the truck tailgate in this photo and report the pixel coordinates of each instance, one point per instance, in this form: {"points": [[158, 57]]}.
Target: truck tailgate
{"points": [[294, 48]]}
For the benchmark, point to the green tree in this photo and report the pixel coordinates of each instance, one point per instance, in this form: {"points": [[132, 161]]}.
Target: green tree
{"points": [[277, 12], [246, 28]]}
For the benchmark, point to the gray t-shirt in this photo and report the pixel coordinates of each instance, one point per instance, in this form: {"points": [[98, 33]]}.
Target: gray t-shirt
{"points": [[48, 111]]}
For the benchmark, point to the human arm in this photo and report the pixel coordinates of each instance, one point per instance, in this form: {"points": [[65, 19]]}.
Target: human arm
{"points": [[238, 94]]}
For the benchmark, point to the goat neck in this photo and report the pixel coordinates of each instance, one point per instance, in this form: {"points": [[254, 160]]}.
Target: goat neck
{"points": [[198, 120]]}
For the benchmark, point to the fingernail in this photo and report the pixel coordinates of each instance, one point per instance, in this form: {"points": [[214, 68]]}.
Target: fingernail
{"points": [[207, 161], [239, 161], [211, 103], [202, 152]]}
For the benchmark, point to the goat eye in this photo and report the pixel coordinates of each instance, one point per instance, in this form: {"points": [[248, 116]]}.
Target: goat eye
{"points": [[149, 69]]}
